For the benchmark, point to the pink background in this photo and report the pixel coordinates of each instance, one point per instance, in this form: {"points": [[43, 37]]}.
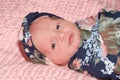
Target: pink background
{"points": [[12, 64]]}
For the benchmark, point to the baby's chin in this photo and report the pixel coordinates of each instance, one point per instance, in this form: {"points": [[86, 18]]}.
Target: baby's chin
{"points": [[76, 45], [77, 42]]}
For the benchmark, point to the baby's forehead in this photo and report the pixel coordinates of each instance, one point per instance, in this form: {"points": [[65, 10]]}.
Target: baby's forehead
{"points": [[44, 21], [39, 30], [46, 18], [41, 20]]}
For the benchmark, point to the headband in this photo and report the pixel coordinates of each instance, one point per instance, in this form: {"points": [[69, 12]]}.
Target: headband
{"points": [[31, 51]]}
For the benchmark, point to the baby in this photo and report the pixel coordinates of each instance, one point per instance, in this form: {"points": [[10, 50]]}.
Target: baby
{"points": [[50, 38]]}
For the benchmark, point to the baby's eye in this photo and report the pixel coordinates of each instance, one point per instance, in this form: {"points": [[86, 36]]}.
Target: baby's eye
{"points": [[57, 26], [53, 46]]}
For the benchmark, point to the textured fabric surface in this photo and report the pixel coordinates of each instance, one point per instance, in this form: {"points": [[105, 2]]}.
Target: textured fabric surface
{"points": [[12, 64]]}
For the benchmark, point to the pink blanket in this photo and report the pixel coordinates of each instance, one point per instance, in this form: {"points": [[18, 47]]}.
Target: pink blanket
{"points": [[12, 64]]}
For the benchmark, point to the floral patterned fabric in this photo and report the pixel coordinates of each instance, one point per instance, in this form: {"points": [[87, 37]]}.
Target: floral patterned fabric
{"points": [[89, 57]]}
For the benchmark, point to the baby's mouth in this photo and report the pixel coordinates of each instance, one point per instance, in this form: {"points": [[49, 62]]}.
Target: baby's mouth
{"points": [[71, 37]]}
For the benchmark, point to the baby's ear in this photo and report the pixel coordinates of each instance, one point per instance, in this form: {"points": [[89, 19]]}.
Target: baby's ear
{"points": [[20, 34]]}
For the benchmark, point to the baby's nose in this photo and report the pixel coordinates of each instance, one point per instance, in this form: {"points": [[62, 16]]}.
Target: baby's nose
{"points": [[61, 36]]}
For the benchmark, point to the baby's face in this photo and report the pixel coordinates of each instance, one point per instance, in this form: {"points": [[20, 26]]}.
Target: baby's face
{"points": [[57, 39]]}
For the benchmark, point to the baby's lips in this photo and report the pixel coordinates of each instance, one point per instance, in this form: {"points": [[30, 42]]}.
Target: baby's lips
{"points": [[71, 38]]}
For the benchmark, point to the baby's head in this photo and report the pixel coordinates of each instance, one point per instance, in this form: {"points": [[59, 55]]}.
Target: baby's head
{"points": [[47, 36]]}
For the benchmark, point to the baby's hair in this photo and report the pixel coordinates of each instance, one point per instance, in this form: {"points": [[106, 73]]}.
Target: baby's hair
{"points": [[32, 53]]}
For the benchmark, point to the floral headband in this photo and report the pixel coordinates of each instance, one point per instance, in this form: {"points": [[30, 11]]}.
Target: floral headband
{"points": [[31, 51]]}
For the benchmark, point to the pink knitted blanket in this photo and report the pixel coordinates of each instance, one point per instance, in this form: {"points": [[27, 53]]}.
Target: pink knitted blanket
{"points": [[12, 64]]}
